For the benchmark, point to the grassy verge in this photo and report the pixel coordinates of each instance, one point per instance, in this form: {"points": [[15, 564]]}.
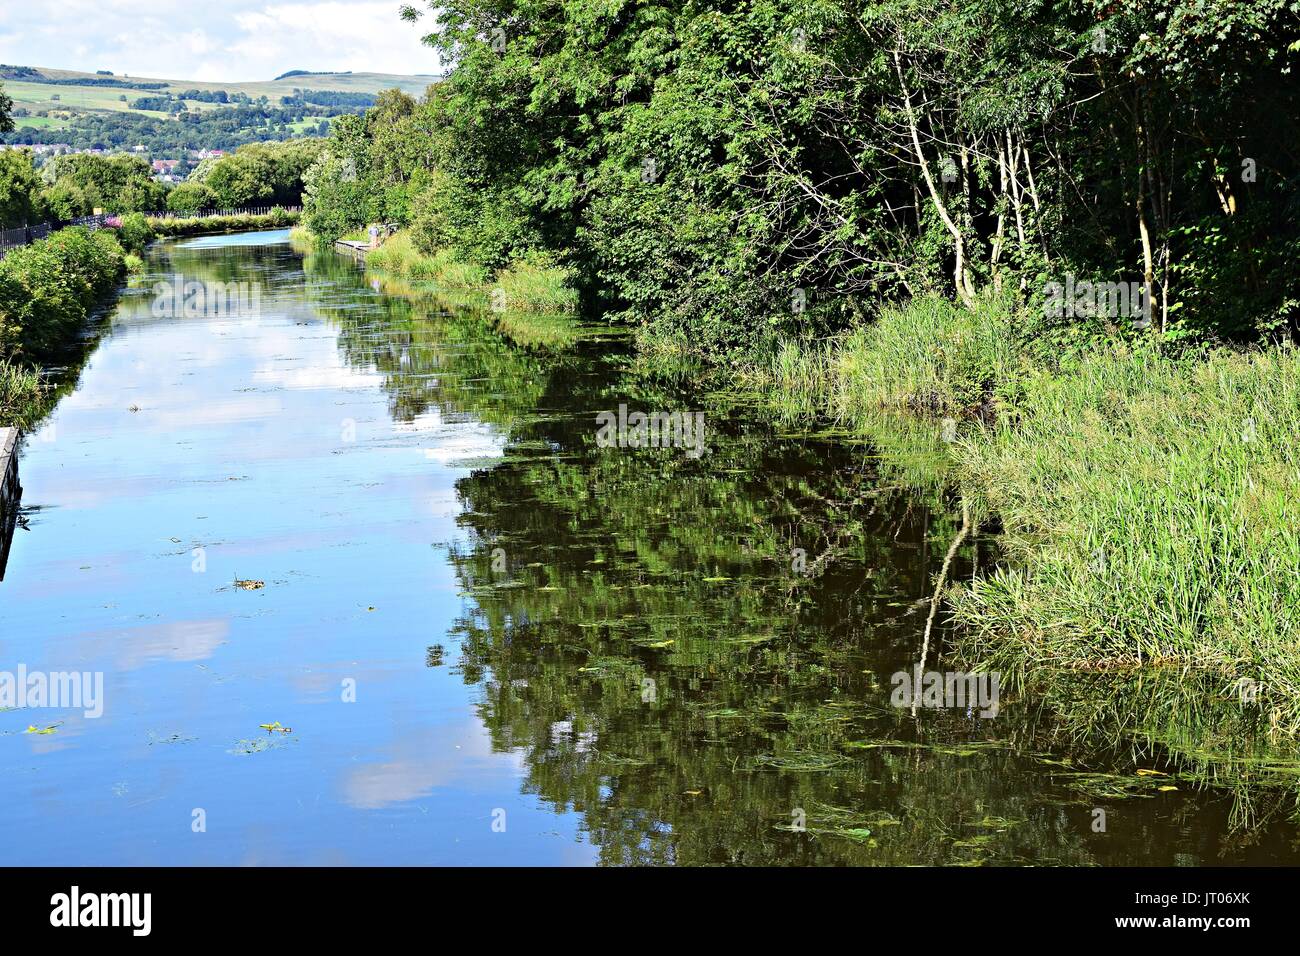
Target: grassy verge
{"points": [[526, 286], [173, 228], [399, 256], [1150, 513], [1148, 503], [20, 394]]}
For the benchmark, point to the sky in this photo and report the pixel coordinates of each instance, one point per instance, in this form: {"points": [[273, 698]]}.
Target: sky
{"points": [[212, 40]]}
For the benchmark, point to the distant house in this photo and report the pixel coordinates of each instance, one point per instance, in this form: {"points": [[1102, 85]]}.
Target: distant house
{"points": [[165, 166]]}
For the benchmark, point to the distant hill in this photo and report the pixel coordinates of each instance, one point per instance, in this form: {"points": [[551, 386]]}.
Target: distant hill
{"points": [[280, 86], [115, 111]]}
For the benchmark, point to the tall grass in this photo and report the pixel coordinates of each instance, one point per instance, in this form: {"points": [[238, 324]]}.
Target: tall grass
{"points": [[1151, 515], [526, 285], [20, 394], [927, 356], [1149, 504], [535, 286], [399, 256]]}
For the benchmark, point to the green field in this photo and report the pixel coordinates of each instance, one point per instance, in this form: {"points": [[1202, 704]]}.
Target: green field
{"points": [[37, 97], [106, 97]]}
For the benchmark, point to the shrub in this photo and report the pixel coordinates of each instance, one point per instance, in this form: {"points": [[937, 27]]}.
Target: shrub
{"points": [[135, 232], [48, 288]]}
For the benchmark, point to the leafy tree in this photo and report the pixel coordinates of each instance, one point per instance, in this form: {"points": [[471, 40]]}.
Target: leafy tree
{"points": [[191, 197], [732, 174], [19, 189], [6, 108], [118, 183], [259, 173]]}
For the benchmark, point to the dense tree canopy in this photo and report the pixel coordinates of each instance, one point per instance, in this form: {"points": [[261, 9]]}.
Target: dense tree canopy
{"points": [[730, 172]]}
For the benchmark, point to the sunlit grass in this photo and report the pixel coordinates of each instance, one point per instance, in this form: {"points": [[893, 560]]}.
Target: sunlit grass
{"points": [[20, 394], [1150, 511], [1148, 503]]}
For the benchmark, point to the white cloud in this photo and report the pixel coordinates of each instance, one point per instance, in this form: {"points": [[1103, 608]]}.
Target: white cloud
{"points": [[231, 41]]}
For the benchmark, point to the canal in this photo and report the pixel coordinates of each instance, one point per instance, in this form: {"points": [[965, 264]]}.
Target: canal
{"points": [[362, 587]]}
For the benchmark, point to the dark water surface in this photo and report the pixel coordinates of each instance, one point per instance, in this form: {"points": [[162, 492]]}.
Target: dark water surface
{"points": [[491, 641]]}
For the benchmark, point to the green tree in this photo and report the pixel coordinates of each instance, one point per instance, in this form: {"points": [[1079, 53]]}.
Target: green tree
{"points": [[6, 109], [19, 189], [191, 197], [118, 183]]}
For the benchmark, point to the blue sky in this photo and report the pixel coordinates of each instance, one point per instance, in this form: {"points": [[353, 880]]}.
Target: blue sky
{"points": [[217, 40]]}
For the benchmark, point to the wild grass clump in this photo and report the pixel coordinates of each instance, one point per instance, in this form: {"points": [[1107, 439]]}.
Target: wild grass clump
{"points": [[400, 256], [20, 394], [536, 285], [533, 285], [1150, 514], [929, 356]]}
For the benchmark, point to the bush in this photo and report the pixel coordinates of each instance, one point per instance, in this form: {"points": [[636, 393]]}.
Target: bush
{"points": [[191, 197], [48, 288], [135, 232]]}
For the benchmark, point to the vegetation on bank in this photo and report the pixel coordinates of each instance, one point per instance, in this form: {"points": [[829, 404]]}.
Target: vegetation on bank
{"points": [[531, 286], [1146, 499], [68, 187], [380, 168], [1149, 511], [1046, 224], [47, 291]]}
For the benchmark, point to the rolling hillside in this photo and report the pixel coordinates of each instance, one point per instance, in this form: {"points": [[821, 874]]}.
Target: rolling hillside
{"points": [[103, 92], [112, 111]]}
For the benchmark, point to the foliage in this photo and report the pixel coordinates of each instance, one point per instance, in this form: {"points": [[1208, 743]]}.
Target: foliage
{"points": [[48, 288], [20, 392], [191, 196], [6, 110], [20, 186], [730, 176], [82, 182], [254, 175], [135, 232]]}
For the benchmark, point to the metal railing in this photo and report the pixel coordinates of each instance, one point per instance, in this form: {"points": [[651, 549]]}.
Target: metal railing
{"points": [[210, 213]]}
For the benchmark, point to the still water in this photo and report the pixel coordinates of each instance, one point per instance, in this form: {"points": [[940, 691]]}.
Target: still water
{"points": [[482, 639]]}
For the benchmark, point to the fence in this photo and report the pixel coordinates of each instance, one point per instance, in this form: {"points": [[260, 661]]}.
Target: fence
{"points": [[13, 238], [209, 213]]}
